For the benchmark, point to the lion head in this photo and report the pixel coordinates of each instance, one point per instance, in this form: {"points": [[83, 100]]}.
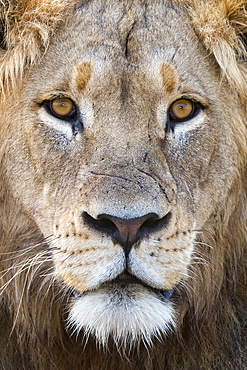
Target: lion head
{"points": [[123, 184]]}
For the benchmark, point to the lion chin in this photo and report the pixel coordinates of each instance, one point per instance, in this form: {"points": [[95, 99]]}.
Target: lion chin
{"points": [[127, 314]]}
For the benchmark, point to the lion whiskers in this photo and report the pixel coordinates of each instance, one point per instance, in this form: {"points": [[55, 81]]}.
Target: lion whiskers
{"points": [[22, 267], [27, 265]]}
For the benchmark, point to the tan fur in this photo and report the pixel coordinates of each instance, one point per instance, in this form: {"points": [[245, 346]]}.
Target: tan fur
{"points": [[123, 63], [83, 74], [169, 77]]}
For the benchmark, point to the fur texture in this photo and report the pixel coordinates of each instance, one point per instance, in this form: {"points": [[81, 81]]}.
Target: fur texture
{"points": [[123, 64]]}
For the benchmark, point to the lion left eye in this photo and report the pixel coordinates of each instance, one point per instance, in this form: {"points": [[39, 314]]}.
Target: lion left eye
{"points": [[182, 110]]}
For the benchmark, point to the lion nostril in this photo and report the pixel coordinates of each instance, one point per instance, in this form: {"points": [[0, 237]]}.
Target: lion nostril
{"points": [[154, 224], [101, 224], [127, 231]]}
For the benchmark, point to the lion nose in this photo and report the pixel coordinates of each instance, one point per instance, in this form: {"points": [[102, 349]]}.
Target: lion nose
{"points": [[127, 231]]}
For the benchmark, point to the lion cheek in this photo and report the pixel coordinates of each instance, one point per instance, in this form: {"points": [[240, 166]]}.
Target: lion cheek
{"points": [[86, 268], [164, 265]]}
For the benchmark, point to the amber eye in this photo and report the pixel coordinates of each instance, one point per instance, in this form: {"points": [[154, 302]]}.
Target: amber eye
{"points": [[62, 108], [182, 109]]}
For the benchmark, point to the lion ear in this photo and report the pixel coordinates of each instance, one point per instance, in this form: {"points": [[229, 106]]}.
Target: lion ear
{"points": [[222, 27]]}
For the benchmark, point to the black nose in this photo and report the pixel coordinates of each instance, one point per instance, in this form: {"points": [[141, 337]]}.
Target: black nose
{"points": [[127, 231]]}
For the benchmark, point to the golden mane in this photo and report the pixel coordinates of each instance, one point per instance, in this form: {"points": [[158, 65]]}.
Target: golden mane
{"points": [[222, 25], [33, 334], [27, 28]]}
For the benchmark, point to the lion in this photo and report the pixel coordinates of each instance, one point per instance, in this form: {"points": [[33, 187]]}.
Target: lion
{"points": [[123, 184]]}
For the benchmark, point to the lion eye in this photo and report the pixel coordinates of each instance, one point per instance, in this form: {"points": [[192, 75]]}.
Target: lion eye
{"points": [[63, 108], [182, 109]]}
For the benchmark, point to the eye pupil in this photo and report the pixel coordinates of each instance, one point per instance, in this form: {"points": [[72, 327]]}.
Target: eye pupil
{"points": [[62, 107]]}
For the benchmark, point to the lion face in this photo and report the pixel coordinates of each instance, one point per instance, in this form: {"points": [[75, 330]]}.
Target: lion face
{"points": [[122, 135]]}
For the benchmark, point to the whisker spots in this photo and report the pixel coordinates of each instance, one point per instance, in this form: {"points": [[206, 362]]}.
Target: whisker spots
{"points": [[76, 251], [177, 233]]}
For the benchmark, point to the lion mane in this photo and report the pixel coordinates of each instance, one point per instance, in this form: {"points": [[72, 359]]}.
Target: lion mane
{"points": [[206, 322]]}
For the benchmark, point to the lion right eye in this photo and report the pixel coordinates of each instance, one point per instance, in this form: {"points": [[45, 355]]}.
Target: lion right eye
{"points": [[64, 109]]}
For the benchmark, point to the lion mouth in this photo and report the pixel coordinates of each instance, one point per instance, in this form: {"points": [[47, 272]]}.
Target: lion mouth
{"points": [[125, 279]]}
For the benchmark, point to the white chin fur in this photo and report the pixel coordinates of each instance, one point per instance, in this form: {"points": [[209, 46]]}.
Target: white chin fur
{"points": [[126, 314]]}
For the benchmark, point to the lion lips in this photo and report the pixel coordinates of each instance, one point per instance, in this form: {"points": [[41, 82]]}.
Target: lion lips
{"points": [[125, 278]]}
